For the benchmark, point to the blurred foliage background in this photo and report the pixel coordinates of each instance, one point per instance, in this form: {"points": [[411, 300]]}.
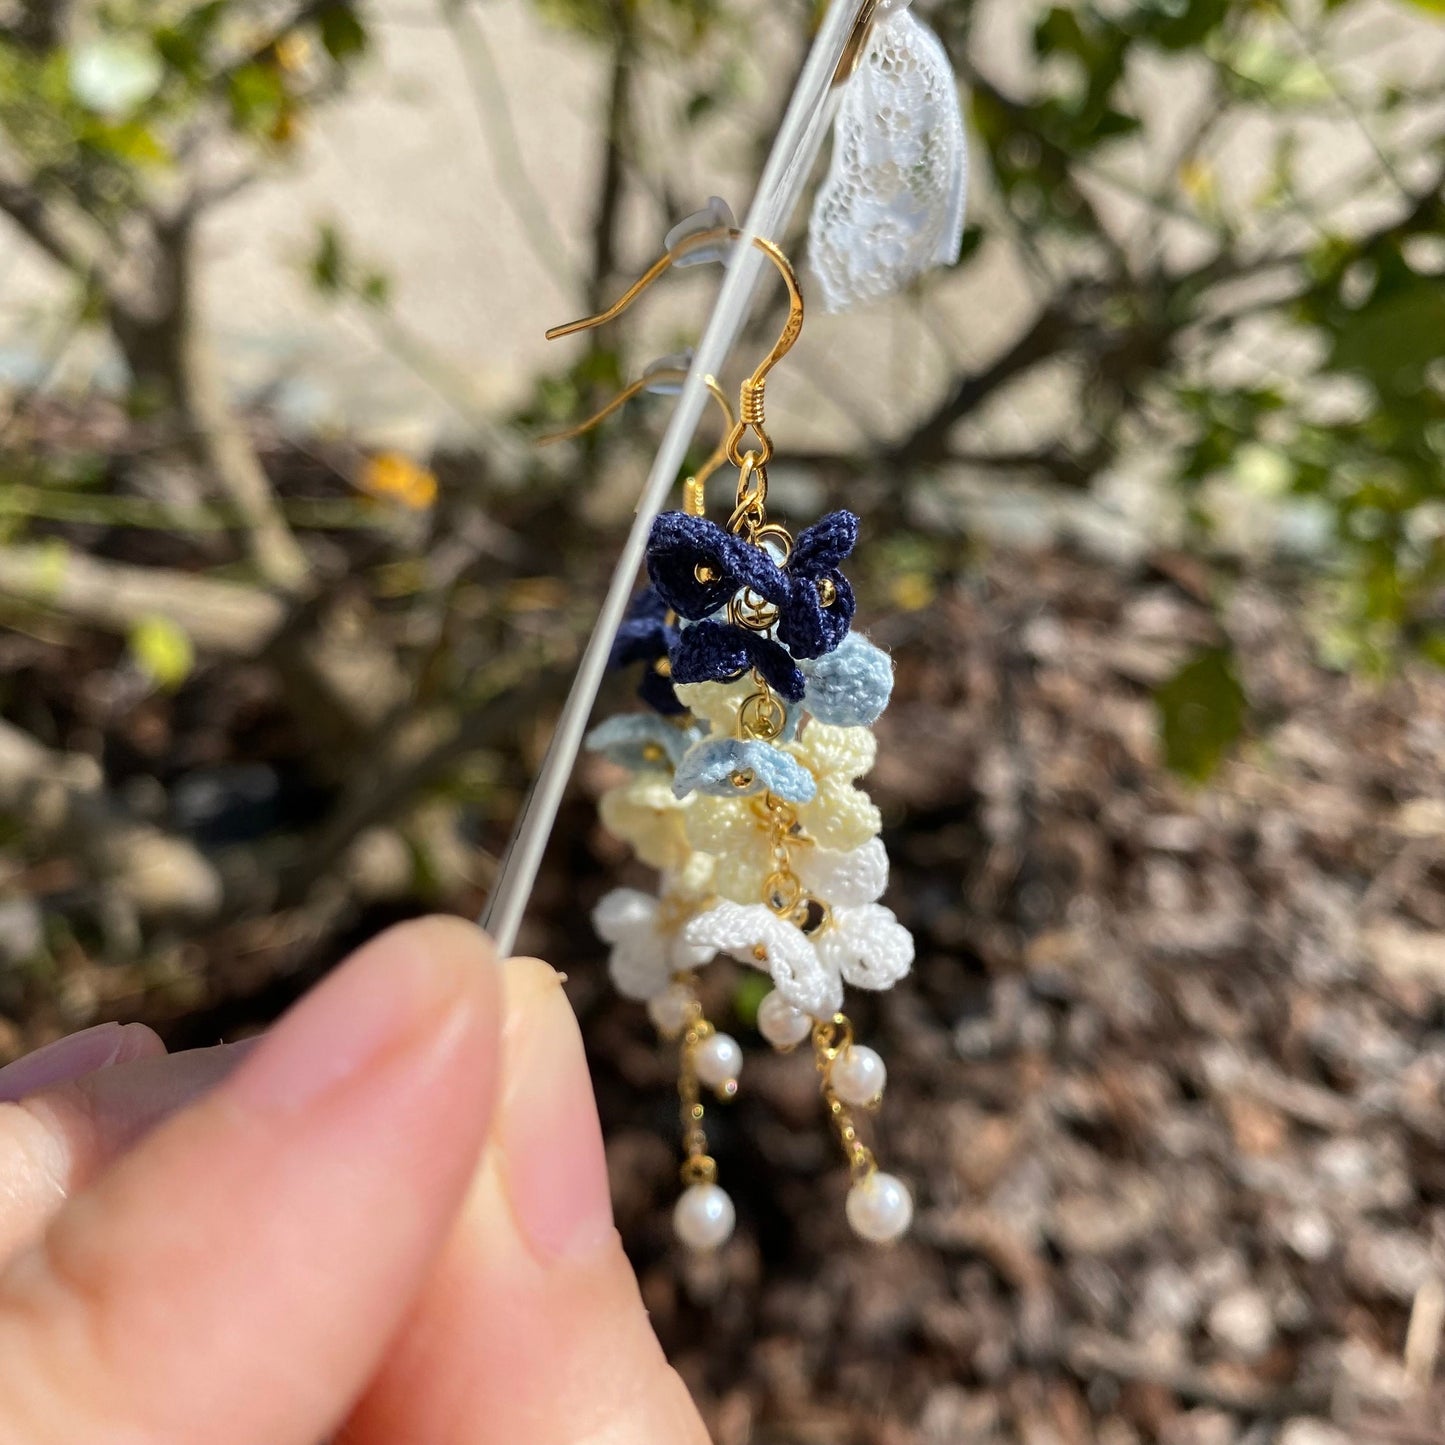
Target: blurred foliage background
{"points": [[1154, 521]]}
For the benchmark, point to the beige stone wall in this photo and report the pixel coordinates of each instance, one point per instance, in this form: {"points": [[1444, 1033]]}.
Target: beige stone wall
{"points": [[412, 175]]}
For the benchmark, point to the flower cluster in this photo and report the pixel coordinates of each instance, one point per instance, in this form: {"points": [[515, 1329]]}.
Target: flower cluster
{"points": [[741, 790], [745, 797], [797, 610]]}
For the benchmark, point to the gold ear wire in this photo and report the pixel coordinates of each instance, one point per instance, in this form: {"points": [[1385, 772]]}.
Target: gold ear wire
{"points": [[751, 395], [857, 43], [693, 487]]}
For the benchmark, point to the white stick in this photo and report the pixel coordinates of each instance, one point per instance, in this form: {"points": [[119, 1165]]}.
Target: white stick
{"points": [[794, 150]]}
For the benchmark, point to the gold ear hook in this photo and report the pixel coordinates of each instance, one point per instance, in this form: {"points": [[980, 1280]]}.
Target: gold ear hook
{"points": [[752, 463], [857, 43], [752, 388], [693, 487]]}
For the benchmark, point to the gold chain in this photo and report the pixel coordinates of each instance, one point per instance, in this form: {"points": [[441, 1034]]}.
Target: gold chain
{"points": [[830, 1038], [699, 1167]]}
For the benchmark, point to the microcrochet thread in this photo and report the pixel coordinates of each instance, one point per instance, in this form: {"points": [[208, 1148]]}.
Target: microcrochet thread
{"points": [[713, 651], [647, 634], [742, 768], [851, 685], [697, 568], [640, 740]]}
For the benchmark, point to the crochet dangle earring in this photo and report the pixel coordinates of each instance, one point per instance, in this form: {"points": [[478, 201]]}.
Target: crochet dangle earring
{"points": [[741, 790]]}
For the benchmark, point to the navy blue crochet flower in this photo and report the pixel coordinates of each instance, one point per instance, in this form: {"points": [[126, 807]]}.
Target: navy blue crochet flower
{"points": [[697, 568], [648, 634], [714, 651], [820, 606]]}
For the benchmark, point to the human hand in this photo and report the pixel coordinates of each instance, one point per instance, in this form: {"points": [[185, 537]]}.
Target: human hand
{"points": [[388, 1218]]}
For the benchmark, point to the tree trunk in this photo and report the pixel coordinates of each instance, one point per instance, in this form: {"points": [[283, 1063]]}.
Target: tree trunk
{"points": [[43, 23], [173, 361]]}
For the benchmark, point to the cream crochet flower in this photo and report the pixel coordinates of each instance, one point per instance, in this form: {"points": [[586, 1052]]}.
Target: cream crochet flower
{"points": [[644, 812], [840, 817]]}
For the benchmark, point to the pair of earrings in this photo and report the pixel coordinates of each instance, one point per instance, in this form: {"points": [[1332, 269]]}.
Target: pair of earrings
{"points": [[741, 788]]}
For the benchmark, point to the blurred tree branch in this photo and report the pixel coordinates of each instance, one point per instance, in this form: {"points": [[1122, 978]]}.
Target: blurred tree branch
{"points": [[141, 262], [222, 617], [486, 85]]}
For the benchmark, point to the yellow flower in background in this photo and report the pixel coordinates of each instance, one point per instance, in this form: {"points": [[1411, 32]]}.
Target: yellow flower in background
{"points": [[393, 477], [1198, 181], [912, 591], [293, 50]]}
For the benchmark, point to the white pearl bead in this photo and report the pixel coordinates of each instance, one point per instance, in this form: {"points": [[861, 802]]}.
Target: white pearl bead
{"points": [[668, 1010], [858, 1075], [879, 1208], [719, 1060], [782, 1025], [703, 1217]]}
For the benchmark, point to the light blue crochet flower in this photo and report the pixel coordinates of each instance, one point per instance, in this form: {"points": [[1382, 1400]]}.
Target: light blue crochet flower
{"points": [[851, 686], [739, 767], [641, 741]]}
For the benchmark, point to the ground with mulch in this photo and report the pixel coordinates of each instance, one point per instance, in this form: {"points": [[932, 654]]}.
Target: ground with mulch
{"points": [[1169, 1076]]}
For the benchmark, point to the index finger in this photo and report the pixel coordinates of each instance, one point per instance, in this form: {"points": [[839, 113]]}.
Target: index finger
{"points": [[57, 1140]]}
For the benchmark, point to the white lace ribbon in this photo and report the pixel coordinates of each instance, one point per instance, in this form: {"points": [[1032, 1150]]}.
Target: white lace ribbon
{"points": [[891, 207]]}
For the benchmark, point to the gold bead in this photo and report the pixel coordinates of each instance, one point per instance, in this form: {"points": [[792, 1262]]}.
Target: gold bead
{"points": [[827, 591], [704, 573], [663, 667], [742, 778]]}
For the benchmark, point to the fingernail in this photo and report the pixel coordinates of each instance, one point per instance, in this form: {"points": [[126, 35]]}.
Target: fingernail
{"points": [[552, 1160], [58, 1063], [358, 1017]]}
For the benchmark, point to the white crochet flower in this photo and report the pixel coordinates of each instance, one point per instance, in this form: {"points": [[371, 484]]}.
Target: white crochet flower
{"points": [[646, 934], [862, 943]]}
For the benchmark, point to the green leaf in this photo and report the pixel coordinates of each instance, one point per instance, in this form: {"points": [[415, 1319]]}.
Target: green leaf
{"points": [[329, 264], [258, 99], [1395, 338], [752, 989], [1201, 714], [127, 141], [1178, 24], [342, 33], [1431, 646], [1284, 78], [184, 45], [163, 651], [375, 288]]}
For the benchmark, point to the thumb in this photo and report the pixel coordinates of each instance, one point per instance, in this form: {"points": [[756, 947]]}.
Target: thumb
{"points": [[235, 1278], [531, 1327]]}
